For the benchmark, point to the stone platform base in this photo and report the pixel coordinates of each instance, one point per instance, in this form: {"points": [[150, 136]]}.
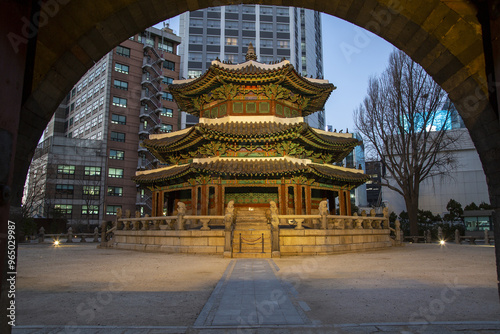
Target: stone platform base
{"points": [[191, 241], [292, 242], [317, 242]]}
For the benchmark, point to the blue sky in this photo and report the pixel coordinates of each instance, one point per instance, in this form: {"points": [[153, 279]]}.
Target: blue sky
{"points": [[350, 56]]}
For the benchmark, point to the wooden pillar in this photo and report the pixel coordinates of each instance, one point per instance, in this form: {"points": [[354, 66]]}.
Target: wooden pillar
{"points": [[283, 198], [194, 200], [204, 199], [298, 199], [308, 199], [342, 205], [161, 197], [348, 202]]}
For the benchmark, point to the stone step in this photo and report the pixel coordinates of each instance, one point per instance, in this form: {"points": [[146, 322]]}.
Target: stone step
{"points": [[251, 226], [251, 255]]}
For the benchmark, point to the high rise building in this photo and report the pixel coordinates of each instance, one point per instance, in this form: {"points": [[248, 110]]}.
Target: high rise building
{"points": [[276, 32], [119, 101]]}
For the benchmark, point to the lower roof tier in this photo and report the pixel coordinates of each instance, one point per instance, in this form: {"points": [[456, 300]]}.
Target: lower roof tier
{"points": [[259, 168]]}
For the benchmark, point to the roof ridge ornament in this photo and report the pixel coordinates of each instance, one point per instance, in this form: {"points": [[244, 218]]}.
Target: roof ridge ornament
{"points": [[250, 53]]}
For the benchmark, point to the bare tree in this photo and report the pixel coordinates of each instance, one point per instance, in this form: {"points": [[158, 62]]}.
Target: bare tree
{"points": [[403, 124]]}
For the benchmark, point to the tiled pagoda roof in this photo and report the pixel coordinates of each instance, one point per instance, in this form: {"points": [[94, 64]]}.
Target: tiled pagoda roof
{"points": [[251, 73]]}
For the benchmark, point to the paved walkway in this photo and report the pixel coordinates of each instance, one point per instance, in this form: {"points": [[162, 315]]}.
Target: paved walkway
{"points": [[352, 293], [250, 294]]}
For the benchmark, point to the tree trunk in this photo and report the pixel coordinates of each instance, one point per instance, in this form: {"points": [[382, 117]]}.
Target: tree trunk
{"points": [[412, 208]]}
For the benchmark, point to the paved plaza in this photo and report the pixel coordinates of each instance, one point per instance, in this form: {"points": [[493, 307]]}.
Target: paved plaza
{"points": [[418, 288]]}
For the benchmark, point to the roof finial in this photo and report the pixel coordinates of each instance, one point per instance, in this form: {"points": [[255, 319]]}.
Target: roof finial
{"points": [[251, 53]]}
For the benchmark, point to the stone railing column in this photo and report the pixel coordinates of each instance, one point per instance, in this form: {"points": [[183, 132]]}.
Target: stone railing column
{"points": [[457, 237], [428, 237], [82, 238], [358, 222], [338, 224], [299, 224], [205, 225], [275, 230], [156, 224], [41, 235], [70, 235]]}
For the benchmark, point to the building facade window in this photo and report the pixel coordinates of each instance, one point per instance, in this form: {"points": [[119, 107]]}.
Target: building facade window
{"points": [[167, 47], [112, 209], [121, 68], [167, 80], [121, 84], [118, 136], [283, 27], [195, 39], [64, 209], [231, 41], [116, 154], [123, 51], [167, 96], [213, 40], [119, 102], [232, 24], [249, 25], [90, 210], [91, 190], [115, 172], [118, 119], [196, 22], [266, 26], [169, 65], [266, 43], [266, 10], [66, 170], [92, 171], [213, 23], [167, 112], [195, 56], [64, 190], [194, 73], [283, 44], [166, 128], [115, 191]]}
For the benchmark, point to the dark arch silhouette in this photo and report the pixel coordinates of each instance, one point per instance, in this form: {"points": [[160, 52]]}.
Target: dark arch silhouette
{"points": [[446, 38]]}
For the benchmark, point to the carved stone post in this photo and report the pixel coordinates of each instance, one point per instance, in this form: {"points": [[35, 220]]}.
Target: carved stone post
{"points": [[323, 211], [428, 237], [275, 230], [486, 237], [104, 242], [457, 237], [145, 224], [440, 233], [181, 211], [82, 238], [70, 235], [96, 234], [41, 235], [399, 237]]}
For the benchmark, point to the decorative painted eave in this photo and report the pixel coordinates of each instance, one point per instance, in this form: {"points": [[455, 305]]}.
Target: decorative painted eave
{"points": [[256, 167], [251, 132]]}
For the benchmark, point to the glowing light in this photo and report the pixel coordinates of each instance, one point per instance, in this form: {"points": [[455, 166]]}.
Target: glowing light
{"points": [[441, 242], [56, 243]]}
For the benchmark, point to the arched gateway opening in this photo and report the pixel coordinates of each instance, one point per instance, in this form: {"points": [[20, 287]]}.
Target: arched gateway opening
{"points": [[41, 63]]}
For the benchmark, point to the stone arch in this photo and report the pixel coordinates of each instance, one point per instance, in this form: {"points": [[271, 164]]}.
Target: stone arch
{"points": [[444, 37]]}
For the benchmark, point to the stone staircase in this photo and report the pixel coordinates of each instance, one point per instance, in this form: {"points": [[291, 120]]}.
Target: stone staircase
{"points": [[252, 227]]}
